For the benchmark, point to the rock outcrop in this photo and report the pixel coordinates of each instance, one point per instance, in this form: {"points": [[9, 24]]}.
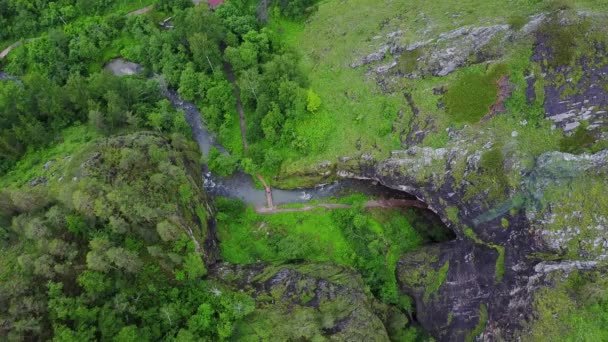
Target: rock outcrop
{"points": [[438, 56], [310, 302], [510, 232], [484, 281]]}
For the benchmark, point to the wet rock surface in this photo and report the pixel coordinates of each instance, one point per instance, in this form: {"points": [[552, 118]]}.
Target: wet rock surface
{"points": [[493, 267], [574, 95]]}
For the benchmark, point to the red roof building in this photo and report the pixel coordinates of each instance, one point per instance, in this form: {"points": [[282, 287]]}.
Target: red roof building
{"points": [[214, 3]]}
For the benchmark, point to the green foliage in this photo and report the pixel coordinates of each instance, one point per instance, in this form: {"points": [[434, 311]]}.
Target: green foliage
{"points": [[578, 142], [481, 324], [470, 97], [574, 310], [222, 164], [313, 101], [117, 249], [517, 21], [408, 61], [452, 213], [371, 242], [295, 9], [435, 280], [492, 179], [564, 40]]}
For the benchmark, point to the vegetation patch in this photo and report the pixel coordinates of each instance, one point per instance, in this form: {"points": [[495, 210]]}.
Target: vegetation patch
{"points": [[435, 280], [492, 178], [580, 141], [473, 93], [574, 310], [481, 324], [408, 61], [564, 40], [371, 241]]}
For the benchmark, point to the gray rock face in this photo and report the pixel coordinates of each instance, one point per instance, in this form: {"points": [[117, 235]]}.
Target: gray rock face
{"points": [[582, 97], [438, 56], [493, 271]]}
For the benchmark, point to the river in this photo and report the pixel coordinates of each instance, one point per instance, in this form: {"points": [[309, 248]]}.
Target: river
{"points": [[241, 185]]}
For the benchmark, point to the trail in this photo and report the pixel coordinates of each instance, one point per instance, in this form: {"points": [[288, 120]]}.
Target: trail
{"points": [[6, 51], [239, 109], [239, 104], [381, 203], [140, 11]]}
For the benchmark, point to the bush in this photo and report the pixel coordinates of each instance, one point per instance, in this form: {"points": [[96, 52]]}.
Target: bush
{"points": [[517, 21], [222, 164], [472, 95], [577, 142], [313, 101]]}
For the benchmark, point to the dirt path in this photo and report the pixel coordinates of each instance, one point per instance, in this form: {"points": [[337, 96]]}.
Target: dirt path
{"points": [[140, 11], [6, 51], [504, 91], [239, 104], [381, 203]]}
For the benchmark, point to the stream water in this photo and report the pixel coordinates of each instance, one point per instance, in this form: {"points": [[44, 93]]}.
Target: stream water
{"points": [[241, 185]]}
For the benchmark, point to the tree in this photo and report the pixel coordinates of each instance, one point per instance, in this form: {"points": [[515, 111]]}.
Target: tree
{"points": [[271, 124], [194, 266], [168, 231], [205, 51], [313, 101], [188, 83]]}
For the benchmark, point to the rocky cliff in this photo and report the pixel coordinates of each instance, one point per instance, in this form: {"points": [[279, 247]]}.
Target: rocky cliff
{"points": [[521, 208]]}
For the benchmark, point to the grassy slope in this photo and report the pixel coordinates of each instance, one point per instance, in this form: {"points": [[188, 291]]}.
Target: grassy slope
{"points": [[353, 106], [31, 165]]}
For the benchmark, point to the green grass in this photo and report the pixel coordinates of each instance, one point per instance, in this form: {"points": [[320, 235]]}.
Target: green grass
{"points": [[30, 166], [370, 241], [574, 310], [470, 98], [353, 107], [408, 60]]}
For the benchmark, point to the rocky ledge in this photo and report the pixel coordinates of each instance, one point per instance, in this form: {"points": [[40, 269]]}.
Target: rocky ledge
{"points": [[483, 282]]}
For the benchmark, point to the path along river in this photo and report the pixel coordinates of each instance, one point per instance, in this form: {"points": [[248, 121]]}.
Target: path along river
{"points": [[241, 185]]}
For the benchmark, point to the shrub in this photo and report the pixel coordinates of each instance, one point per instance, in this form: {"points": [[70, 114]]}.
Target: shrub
{"points": [[222, 164], [517, 21], [313, 101], [471, 96], [577, 142]]}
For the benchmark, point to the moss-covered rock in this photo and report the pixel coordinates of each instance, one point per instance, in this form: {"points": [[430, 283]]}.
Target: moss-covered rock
{"points": [[311, 302]]}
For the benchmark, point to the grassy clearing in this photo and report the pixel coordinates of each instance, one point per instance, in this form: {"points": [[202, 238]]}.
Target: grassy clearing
{"points": [[370, 241], [568, 312], [31, 165], [354, 111]]}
